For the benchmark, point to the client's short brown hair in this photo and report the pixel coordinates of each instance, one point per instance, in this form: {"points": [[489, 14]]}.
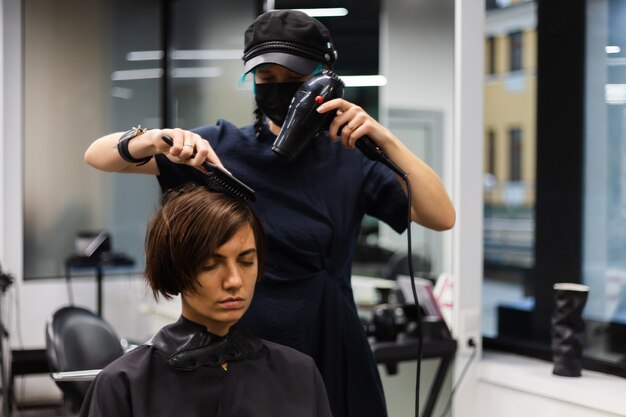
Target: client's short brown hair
{"points": [[191, 223]]}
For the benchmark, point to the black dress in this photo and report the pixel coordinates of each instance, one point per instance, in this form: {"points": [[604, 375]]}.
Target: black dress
{"points": [[311, 209], [178, 373]]}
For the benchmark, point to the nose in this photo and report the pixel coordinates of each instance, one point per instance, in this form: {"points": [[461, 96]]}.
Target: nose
{"points": [[232, 278]]}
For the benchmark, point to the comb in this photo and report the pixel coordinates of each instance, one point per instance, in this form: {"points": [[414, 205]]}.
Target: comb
{"points": [[220, 180]]}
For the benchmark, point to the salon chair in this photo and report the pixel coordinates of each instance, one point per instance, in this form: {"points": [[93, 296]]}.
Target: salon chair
{"points": [[79, 340], [398, 265]]}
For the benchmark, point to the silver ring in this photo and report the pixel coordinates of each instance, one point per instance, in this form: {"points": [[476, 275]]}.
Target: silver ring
{"points": [[186, 144]]}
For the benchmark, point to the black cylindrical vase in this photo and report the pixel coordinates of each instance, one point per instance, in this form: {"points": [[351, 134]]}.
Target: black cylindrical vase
{"points": [[568, 328]]}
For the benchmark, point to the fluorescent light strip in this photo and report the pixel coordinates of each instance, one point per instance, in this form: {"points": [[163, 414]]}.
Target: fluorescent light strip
{"points": [[152, 73], [192, 54], [140, 74], [612, 49], [207, 54], [615, 93], [616, 62], [325, 11], [144, 56], [364, 80], [120, 92], [206, 72]]}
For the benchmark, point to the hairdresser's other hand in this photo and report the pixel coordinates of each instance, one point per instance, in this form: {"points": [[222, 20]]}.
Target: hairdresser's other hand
{"points": [[430, 205], [186, 143], [352, 122]]}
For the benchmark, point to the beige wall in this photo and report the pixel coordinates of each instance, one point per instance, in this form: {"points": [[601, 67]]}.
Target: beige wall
{"points": [[510, 102], [51, 122]]}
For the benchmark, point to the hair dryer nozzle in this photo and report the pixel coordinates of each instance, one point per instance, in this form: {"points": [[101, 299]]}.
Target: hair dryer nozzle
{"points": [[303, 122]]}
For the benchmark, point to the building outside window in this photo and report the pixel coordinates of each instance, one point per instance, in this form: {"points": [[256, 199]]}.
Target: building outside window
{"points": [[564, 210]]}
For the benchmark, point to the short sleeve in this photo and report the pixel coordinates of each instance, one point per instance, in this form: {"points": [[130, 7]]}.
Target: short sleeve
{"points": [[384, 197]]}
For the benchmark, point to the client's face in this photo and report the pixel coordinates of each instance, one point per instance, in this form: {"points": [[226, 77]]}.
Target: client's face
{"points": [[225, 284]]}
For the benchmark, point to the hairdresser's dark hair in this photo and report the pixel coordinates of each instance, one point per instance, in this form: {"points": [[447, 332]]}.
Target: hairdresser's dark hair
{"points": [[258, 122], [191, 223]]}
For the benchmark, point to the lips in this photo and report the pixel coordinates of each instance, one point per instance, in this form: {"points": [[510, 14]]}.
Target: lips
{"points": [[232, 303]]}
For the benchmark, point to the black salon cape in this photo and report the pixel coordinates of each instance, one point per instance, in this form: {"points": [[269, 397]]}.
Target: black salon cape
{"points": [[312, 209], [276, 382]]}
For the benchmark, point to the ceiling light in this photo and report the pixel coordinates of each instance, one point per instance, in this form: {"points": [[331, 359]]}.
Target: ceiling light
{"points": [[144, 56], [140, 74], [612, 49], [364, 80], [203, 72], [207, 54], [325, 11]]}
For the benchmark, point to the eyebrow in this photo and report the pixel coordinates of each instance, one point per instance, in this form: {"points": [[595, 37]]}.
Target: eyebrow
{"points": [[244, 253]]}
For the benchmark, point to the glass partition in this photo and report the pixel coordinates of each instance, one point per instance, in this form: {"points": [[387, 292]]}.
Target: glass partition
{"points": [[604, 212], [92, 69]]}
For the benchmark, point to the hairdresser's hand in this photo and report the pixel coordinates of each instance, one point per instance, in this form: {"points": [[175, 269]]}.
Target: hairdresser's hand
{"points": [[189, 148], [352, 122], [430, 205]]}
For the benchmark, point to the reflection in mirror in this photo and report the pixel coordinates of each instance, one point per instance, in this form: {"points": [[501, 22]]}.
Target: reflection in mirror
{"points": [[73, 51], [117, 83]]}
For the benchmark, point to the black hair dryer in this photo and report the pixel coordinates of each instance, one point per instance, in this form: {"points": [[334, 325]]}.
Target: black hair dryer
{"points": [[304, 123]]}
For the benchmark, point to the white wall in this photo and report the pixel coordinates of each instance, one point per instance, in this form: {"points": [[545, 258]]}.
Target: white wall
{"points": [[417, 57]]}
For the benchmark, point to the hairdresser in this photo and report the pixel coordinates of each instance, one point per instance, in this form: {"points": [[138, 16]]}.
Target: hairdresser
{"points": [[311, 208]]}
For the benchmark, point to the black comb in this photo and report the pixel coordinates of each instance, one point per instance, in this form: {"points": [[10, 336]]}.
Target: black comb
{"points": [[218, 179]]}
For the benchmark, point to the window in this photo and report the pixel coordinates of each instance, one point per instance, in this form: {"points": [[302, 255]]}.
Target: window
{"points": [[604, 174], [509, 197], [515, 51], [580, 194], [491, 55], [515, 154], [491, 152]]}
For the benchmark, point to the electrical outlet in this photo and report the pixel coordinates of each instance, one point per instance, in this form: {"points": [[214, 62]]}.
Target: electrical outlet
{"points": [[469, 330]]}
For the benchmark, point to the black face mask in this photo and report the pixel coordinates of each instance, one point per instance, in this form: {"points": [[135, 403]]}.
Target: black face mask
{"points": [[274, 99]]}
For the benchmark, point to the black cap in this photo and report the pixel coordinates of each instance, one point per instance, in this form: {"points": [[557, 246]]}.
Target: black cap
{"points": [[289, 38]]}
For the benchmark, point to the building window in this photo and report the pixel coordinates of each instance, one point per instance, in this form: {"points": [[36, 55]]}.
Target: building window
{"points": [[515, 51], [491, 152], [515, 154], [491, 55]]}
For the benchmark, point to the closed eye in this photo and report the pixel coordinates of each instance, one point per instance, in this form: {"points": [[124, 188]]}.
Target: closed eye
{"points": [[247, 258], [208, 267]]}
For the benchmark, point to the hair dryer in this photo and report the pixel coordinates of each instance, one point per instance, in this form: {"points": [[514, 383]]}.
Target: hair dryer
{"points": [[304, 123]]}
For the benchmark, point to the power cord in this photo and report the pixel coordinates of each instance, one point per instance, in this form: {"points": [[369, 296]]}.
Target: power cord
{"points": [[420, 333], [472, 344], [373, 152]]}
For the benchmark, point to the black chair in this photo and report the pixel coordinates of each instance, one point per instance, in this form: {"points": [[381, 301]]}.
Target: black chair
{"points": [[77, 340], [398, 265]]}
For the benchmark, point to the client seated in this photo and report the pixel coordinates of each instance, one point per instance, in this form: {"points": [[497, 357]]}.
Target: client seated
{"points": [[207, 247]]}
